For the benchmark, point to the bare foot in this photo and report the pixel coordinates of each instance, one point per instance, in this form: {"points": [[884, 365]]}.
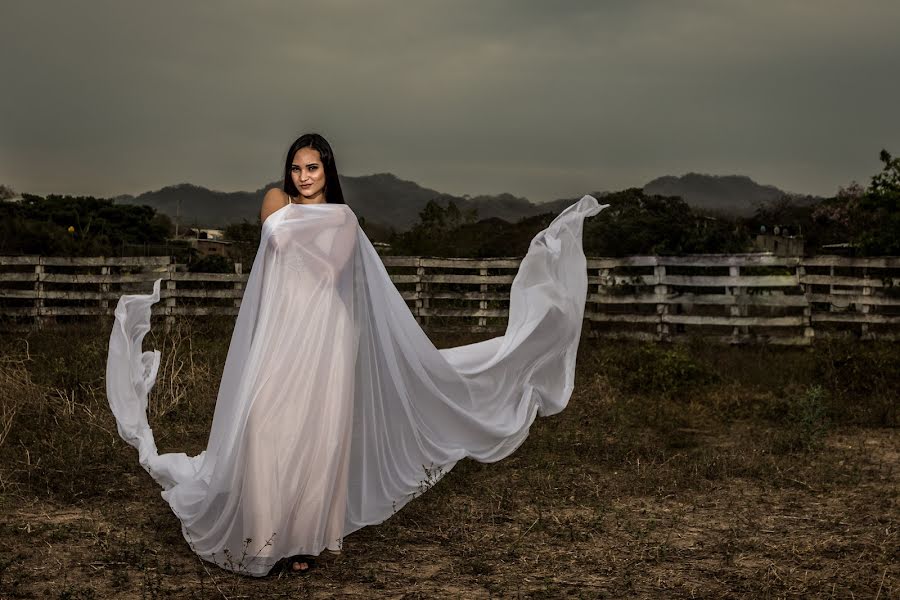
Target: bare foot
{"points": [[299, 565]]}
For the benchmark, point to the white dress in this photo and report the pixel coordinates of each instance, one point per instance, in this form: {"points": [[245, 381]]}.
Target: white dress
{"points": [[335, 409]]}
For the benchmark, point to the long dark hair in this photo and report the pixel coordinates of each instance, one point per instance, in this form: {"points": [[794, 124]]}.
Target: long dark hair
{"points": [[333, 192]]}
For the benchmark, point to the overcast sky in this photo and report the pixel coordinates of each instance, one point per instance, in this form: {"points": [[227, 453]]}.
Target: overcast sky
{"points": [[540, 99]]}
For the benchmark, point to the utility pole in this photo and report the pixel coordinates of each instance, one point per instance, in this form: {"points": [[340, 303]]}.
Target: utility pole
{"points": [[177, 217]]}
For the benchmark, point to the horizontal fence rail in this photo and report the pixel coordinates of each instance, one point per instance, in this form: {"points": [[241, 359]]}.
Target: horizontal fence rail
{"points": [[735, 298]]}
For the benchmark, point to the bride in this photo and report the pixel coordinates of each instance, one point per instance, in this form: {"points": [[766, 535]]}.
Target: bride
{"points": [[335, 409]]}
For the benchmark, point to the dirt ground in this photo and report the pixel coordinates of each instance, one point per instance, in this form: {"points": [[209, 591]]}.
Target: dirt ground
{"points": [[585, 537], [753, 485]]}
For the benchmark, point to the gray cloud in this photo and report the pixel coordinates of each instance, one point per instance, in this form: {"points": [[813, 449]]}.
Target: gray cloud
{"points": [[539, 99]]}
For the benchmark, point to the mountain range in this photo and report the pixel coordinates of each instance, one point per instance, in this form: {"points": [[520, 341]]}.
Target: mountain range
{"points": [[730, 195], [385, 199]]}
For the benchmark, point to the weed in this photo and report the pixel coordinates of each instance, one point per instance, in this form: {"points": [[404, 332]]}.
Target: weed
{"points": [[861, 380], [16, 389], [668, 372], [182, 371]]}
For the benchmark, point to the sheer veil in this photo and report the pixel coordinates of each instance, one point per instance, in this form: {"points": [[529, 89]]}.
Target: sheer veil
{"points": [[334, 408]]}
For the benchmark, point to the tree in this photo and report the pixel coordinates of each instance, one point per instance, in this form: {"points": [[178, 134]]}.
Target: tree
{"points": [[212, 264], [76, 226], [637, 223], [433, 234], [878, 216], [835, 220], [245, 237]]}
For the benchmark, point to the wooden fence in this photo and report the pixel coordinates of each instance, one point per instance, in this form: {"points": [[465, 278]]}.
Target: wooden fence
{"points": [[734, 298]]}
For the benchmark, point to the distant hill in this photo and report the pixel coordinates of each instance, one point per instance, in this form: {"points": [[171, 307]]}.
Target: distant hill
{"points": [[389, 201], [381, 198], [199, 205], [736, 195]]}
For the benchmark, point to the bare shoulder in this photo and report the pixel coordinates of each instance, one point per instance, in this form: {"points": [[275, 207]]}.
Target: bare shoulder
{"points": [[272, 201]]}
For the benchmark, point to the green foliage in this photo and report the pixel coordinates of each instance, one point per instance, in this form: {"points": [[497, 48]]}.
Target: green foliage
{"points": [[861, 381], [819, 223], [869, 218], [244, 231], [245, 237], [435, 232], [805, 423], [670, 372], [77, 226], [212, 264], [881, 207], [636, 223]]}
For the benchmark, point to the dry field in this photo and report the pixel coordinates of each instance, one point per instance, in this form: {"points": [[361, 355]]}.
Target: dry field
{"points": [[676, 471]]}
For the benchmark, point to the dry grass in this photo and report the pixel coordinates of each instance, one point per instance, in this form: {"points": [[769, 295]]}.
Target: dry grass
{"points": [[15, 389], [680, 472], [180, 371]]}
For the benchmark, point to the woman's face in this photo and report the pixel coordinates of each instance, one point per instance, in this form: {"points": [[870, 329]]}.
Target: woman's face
{"points": [[308, 175]]}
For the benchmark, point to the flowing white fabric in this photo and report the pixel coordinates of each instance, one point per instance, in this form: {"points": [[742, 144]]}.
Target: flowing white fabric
{"points": [[334, 408]]}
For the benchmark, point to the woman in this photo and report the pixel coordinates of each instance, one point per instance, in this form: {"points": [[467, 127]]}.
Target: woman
{"points": [[310, 177], [335, 409]]}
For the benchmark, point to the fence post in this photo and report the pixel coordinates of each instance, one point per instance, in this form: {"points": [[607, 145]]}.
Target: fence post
{"points": [[104, 290], [831, 288], [421, 288], [170, 296], [738, 309], [864, 308], [39, 293], [808, 332], [603, 277], [238, 285], [482, 303], [661, 290]]}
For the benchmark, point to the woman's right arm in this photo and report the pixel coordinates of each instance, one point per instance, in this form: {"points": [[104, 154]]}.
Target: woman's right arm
{"points": [[273, 200]]}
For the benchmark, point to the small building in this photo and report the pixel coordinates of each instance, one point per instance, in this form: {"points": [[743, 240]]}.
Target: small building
{"points": [[381, 247], [780, 245], [205, 234], [841, 249], [207, 242], [208, 247], [779, 241]]}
